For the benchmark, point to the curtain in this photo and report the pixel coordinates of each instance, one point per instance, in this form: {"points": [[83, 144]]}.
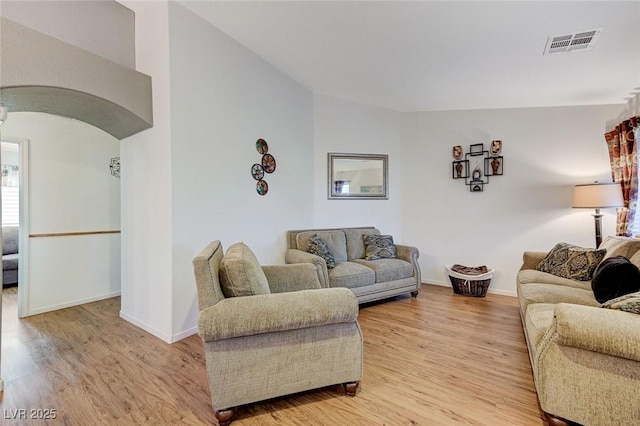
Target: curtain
{"points": [[623, 155]]}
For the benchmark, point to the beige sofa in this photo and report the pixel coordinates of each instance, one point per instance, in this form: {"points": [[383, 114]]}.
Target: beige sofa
{"points": [[585, 359], [293, 337], [368, 279]]}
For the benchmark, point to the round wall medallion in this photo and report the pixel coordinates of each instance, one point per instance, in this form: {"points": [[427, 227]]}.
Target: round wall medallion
{"points": [[261, 146], [268, 163], [257, 171], [262, 187]]}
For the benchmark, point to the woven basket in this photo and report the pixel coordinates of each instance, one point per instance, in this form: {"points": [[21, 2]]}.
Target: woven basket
{"points": [[470, 285]]}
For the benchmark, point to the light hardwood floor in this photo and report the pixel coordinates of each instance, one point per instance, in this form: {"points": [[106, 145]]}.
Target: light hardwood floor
{"points": [[440, 359]]}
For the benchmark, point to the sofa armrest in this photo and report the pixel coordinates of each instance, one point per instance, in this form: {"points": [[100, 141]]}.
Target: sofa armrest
{"points": [[595, 329], [298, 256], [410, 254], [267, 313], [294, 277], [530, 259]]}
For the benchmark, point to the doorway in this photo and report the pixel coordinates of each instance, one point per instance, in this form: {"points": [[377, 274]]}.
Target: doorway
{"points": [[15, 229]]}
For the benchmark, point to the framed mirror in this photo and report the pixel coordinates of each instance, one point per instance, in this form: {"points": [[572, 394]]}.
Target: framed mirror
{"points": [[358, 176]]}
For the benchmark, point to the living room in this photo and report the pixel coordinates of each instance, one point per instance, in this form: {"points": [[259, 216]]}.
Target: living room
{"points": [[186, 181]]}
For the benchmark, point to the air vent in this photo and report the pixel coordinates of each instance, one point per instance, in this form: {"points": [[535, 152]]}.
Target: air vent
{"points": [[584, 40]]}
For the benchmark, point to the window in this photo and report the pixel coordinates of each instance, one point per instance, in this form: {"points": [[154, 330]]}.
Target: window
{"points": [[10, 195]]}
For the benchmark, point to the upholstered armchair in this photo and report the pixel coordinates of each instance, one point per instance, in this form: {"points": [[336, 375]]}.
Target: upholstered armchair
{"points": [[272, 330]]}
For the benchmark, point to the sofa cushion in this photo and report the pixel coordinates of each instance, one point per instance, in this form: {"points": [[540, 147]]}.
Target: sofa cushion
{"points": [[628, 303], [317, 246], [569, 261], [10, 261], [551, 293], [538, 320], [614, 277], [9, 240], [620, 246], [527, 276], [388, 269], [351, 275], [241, 274], [336, 241], [355, 241], [379, 247]]}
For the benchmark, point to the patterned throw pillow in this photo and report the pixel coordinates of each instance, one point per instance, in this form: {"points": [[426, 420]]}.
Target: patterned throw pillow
{"points": [[628, 303], [379, 247], [317, 246], [569, 261]]}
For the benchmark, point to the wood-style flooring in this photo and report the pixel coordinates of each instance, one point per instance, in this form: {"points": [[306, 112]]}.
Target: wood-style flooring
{"points": [[440, 359]]}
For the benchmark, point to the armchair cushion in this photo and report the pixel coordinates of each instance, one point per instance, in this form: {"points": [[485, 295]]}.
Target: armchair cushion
{"points": [[241, 274]]}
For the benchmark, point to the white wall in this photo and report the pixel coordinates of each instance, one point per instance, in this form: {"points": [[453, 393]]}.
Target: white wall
{"points": [[346, 127], [546, 151], [223, 98], [146, 187], [70, 190]]}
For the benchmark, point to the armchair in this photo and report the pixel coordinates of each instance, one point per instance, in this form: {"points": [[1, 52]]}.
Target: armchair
{"points": [[295, 338]]}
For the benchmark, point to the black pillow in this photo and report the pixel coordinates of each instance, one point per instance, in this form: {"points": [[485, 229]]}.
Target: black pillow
{"points": [[615, 277]]}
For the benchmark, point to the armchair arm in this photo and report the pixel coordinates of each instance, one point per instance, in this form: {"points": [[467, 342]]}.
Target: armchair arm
{"points": [[267, 313], [294, 277], [299, 256], [530, 259], [595, 329]]}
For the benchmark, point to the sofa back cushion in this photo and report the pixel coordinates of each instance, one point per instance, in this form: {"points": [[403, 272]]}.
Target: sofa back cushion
{"points": [[620, 246], [9, 239], [355, 241], [615, 277], [241, 274], [336, 241]]}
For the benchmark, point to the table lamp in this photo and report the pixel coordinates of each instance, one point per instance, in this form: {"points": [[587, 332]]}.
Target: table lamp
{"points": [[598, 196]]}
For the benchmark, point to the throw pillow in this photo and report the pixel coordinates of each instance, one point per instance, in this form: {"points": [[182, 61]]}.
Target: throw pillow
{"points": [[569, 261], [615, 277], [241, 274], [317, 246], [379, 247], [627, 303]]}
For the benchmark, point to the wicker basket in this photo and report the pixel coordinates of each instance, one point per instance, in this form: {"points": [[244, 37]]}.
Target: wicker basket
{"points": [[470, 285]]}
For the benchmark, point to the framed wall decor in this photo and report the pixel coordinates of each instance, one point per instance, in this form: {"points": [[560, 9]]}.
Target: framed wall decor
{"points": [[460, 169], [478, 164], [357, 176]]}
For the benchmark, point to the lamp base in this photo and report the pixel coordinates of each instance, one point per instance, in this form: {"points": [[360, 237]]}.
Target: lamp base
{"points": [[598, 222]]}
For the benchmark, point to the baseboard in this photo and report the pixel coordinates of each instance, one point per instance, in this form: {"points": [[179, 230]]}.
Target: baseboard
{"points": [[157, 333], [492, 291], [72, 303]]}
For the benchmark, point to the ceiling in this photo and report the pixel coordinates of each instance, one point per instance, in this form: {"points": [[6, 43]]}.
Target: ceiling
{"points": [[448, 55]]}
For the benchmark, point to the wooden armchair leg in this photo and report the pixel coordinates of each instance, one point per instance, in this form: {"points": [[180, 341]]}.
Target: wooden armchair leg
{"points": [[351, 388], [414, 294], [224, 416]]}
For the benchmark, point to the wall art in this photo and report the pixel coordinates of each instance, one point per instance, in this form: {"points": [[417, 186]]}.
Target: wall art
{"points": [[478, 164], [267, 165]]}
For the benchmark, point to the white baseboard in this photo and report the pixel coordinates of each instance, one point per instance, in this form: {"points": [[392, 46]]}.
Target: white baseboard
{"points": [[71, 303], [500, 292], [160, 335]]}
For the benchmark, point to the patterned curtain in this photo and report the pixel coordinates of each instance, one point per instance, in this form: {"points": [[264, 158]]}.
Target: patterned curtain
{"points": [[624, 169]]}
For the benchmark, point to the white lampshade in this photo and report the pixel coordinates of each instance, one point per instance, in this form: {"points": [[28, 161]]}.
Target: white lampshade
{"points": [[598, 195]]}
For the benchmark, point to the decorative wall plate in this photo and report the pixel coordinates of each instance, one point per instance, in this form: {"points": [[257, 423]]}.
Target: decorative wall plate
{"points": [[262, 187], [257, 171], [261, 146], [268, 163]]}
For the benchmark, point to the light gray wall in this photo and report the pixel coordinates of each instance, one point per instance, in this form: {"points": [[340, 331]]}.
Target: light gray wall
{"points": [[103, 27]]}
